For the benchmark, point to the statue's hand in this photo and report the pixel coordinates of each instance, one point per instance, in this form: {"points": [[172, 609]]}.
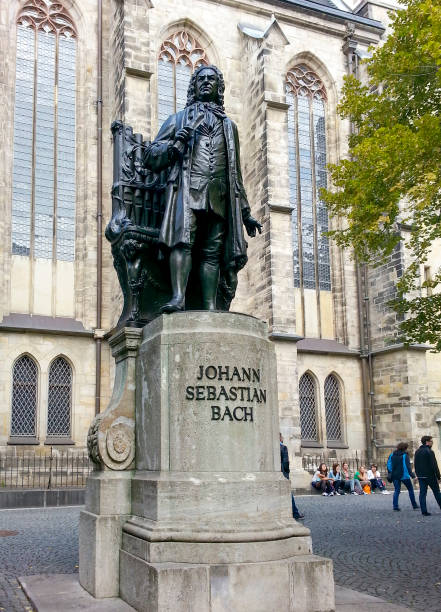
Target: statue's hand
{"points": [[184, 134], [181, 139], [251, 225]]}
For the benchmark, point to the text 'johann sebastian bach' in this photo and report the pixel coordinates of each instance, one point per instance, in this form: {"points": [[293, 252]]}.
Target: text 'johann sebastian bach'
{"points": [[231, 402]]}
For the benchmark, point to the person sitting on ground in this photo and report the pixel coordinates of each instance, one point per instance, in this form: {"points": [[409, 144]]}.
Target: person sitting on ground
{"points": [[362, 476], [349, 482], [335, 474], [400, 470], [322, 481], [375, 480]]}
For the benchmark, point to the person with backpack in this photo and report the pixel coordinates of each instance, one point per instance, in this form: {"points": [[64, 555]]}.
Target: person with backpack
{"points": [[427, 472], [400, 470]]}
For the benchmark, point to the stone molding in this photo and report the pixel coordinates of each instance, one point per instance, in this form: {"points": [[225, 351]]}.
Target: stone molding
{"points": [[282, 208], [275, 100], [399, 347], [285, 337], [111, 437], [37, 324], [326, 346], [137, 72], [23, 441]]}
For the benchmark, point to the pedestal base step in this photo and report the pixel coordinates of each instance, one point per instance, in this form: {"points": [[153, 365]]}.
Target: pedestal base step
{"points": [[53, 593], [303, 583]]}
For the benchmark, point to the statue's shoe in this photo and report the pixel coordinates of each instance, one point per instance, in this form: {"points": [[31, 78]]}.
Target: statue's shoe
{"points": [[174, 305]]}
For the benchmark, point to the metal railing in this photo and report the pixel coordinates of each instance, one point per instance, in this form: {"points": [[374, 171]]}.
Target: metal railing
{"points": [[54, 470], [311, 462]]}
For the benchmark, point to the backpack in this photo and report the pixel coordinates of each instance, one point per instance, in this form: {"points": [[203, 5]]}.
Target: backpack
{"points": [[389, 473]]}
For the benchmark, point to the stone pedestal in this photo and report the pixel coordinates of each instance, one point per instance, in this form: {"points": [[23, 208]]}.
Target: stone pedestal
{"points": [[107, 508], [211, 526], [111, 444]]}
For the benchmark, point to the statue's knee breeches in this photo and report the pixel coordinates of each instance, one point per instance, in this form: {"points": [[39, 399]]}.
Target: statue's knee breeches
{"points": [[211, 247], [208, 230]]}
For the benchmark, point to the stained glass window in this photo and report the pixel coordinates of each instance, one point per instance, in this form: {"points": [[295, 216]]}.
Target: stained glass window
{"points": [[180, 54], [43, 193], [59, 398], [333, 409], [308, 409], [306, 97], [24, 397]]}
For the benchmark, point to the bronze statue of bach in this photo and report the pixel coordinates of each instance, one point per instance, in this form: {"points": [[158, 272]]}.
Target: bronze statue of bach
{"points": [[206, 205]]}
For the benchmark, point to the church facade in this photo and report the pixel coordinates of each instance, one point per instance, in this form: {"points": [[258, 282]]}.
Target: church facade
{"points": [[70, 68]]}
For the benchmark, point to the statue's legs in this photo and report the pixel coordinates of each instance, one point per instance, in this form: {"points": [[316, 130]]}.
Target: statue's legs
{"points": [[209, 276], [180, 266], [209, 229], [211, 250]]}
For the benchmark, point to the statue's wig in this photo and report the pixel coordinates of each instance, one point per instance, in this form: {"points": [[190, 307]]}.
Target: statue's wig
{"points": [[191, 92]]}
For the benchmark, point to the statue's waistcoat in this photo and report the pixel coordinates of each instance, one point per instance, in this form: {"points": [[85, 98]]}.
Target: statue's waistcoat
{"points": [[208, 183]]}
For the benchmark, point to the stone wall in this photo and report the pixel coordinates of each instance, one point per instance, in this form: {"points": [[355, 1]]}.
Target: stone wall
{"points": [[74, 293], [80, 353], [381, 289], [401, 397], [347, 369], [404, 379], [254, 67]]}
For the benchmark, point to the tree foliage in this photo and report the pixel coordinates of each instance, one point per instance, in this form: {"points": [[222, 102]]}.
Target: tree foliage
{"points": [[392, 177]]}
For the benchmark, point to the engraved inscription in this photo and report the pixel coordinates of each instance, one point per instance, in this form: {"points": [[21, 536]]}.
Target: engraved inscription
{"points": [[249, 393]]}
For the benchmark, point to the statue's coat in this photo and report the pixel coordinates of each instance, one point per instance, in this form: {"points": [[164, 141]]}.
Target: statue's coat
{"points": [[175, 227]]}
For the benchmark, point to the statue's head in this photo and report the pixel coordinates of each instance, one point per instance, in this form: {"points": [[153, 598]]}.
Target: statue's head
{"points": [[206, 85]]}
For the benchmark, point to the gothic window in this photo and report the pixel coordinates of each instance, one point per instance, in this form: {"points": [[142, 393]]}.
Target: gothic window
{"points": [[59, 399], [308, 409], [180, 54], [333, 410], [306, 97], [24, 397], [43, 192]]}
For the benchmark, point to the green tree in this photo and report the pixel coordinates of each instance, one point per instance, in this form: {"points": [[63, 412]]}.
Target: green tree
{"points": [[392, 177]]}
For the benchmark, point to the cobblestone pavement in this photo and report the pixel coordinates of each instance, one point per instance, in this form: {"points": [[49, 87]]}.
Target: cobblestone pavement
{"points": [[387, 554], [47, 542], [393, 555]]}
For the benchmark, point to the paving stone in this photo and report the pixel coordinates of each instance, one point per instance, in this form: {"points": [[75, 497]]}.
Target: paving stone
{"points": [[347, 600], [47, 542], [392, 555]]}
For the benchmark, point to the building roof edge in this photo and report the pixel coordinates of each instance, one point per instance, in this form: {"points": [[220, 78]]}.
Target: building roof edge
{"points": [[333, 12]]}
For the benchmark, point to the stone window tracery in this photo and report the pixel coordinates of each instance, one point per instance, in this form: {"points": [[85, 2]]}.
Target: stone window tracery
{"points": [[308, 408], [333, 410], [43, 193], [59, 399], [24, 397], [306, 95], [180, 54]]}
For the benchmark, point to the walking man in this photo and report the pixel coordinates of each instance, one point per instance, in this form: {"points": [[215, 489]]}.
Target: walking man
{"points": [[427, 472], [399, 466], [284, 460]]}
